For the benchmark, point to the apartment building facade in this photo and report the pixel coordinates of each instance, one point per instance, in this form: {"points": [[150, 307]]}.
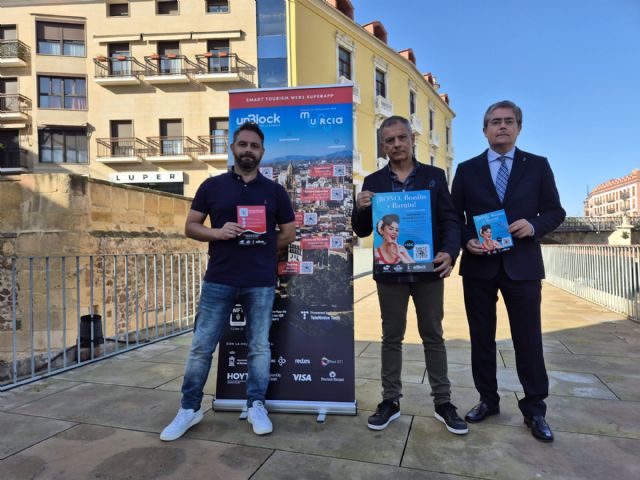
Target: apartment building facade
{"points": [[615, 197], [136, 91]]}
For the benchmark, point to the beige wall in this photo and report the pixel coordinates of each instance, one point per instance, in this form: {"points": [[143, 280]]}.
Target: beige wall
{"points": [[54, 215]]}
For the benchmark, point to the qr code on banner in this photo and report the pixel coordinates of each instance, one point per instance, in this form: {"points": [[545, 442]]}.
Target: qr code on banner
{"points": [[421, 252]]}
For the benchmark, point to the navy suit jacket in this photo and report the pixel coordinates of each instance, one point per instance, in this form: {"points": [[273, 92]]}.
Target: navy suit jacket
{"points": [[445, 225], [531, 194]]}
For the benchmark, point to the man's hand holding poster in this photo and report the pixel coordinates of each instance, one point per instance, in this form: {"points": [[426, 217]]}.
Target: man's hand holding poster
{"points": [[493, 232]]}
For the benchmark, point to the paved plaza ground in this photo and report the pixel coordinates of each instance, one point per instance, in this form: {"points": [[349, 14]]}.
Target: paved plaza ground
{"points": [[103, 420]]}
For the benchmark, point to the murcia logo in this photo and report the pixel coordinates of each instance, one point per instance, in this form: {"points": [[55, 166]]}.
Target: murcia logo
{"points": [[302, 377]]}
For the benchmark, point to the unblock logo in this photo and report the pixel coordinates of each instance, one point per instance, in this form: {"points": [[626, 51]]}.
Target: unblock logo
{"points": [[273, 119]]}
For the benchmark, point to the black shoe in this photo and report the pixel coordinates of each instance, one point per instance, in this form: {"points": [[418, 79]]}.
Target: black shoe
{"points": [[446, 413], [386, 412], [539, 428], [481, 411]]}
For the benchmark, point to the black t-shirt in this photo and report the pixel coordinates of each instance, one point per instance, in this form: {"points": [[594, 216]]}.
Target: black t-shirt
{"points": [[229, 262]]}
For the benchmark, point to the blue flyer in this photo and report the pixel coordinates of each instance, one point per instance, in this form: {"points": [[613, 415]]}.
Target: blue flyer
{"points": [[493, 232], [402, 232]]}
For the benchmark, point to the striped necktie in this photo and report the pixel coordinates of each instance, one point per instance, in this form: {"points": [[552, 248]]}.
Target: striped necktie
{"points": [[502, 178]]}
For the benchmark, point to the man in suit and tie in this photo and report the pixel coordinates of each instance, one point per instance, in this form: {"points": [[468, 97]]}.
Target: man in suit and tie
{"points": [[521, 183]]}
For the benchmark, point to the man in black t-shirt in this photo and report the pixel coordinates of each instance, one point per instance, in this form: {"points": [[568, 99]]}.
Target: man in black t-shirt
{"points": [[244, 208]]}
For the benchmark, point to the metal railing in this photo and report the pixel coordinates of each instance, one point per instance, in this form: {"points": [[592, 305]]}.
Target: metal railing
{"points": [[116, 67], [14, 49], [61, 312], [216, 144], [170, 146], [604, 274], [14, 103], [218, 62], [14, 158], [595, 224], [169, 65], [122, 147]]}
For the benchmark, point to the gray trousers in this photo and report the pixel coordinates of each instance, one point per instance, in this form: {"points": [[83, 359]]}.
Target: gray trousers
{"points": [[428, 299]]}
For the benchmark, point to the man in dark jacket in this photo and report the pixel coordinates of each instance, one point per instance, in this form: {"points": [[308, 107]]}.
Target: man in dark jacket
{"points": [[522, 184], [404, 173]]}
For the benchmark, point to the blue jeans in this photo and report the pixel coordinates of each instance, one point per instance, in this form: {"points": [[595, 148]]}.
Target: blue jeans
{"points": [[216, 303]]}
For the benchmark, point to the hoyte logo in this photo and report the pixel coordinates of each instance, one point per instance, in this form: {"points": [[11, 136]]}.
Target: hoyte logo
{"points": [[237, 376], [302, 377]]}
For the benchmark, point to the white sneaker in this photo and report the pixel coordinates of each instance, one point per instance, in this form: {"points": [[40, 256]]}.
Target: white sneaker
{"points": [[185, 419], [259, 418]]}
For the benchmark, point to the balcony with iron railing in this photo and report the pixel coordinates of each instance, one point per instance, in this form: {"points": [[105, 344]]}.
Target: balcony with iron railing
{"points": [[383, 107], [122, 150], [14, 108], [450, 151], [13, 160], [173, 68], [14, 53], [219, 67], [173, 149], [434, 139], [416, 123], [120, 70], [216, 148]]}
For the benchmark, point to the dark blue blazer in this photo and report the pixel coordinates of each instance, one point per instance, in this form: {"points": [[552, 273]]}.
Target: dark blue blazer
{"points": [[445, 225], [531, 194]]}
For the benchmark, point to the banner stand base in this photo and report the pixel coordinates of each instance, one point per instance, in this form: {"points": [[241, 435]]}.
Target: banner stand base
{"points": [[291, 406]]}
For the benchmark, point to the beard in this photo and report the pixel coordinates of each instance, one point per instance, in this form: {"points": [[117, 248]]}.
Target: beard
{"points": [[247, 162]]}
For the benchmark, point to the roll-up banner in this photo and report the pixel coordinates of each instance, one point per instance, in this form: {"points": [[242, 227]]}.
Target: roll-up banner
{"points": [[309, 151]]}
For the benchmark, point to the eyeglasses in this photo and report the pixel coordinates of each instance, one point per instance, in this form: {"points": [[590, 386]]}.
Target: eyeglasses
{"points": [[496, 122]]}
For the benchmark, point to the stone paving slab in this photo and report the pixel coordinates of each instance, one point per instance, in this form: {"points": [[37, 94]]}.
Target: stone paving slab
{"points": [[626, 387], [175, 385], [291, 466], [88, 451], [134, 374], [178, 356], [502, 452], [345, 437], [560, 383], [607, 365], [359, 347], [33, 391], [601, 348], [594, 416], [25, 431], [147, 352], [111, 405]]}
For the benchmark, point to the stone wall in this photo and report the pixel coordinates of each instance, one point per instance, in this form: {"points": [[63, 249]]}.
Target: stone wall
{"points": [[47, 216]]}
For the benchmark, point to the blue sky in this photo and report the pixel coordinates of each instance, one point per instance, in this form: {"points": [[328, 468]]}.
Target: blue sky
{"points": [[572, 65]]}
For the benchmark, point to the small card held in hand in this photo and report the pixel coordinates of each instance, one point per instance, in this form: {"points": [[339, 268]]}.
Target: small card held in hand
{"points": [[493, 232], [253, 219]]}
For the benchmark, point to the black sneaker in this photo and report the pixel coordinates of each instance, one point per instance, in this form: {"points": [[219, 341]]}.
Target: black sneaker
{"points": [[386, 412], [446, 413]]}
